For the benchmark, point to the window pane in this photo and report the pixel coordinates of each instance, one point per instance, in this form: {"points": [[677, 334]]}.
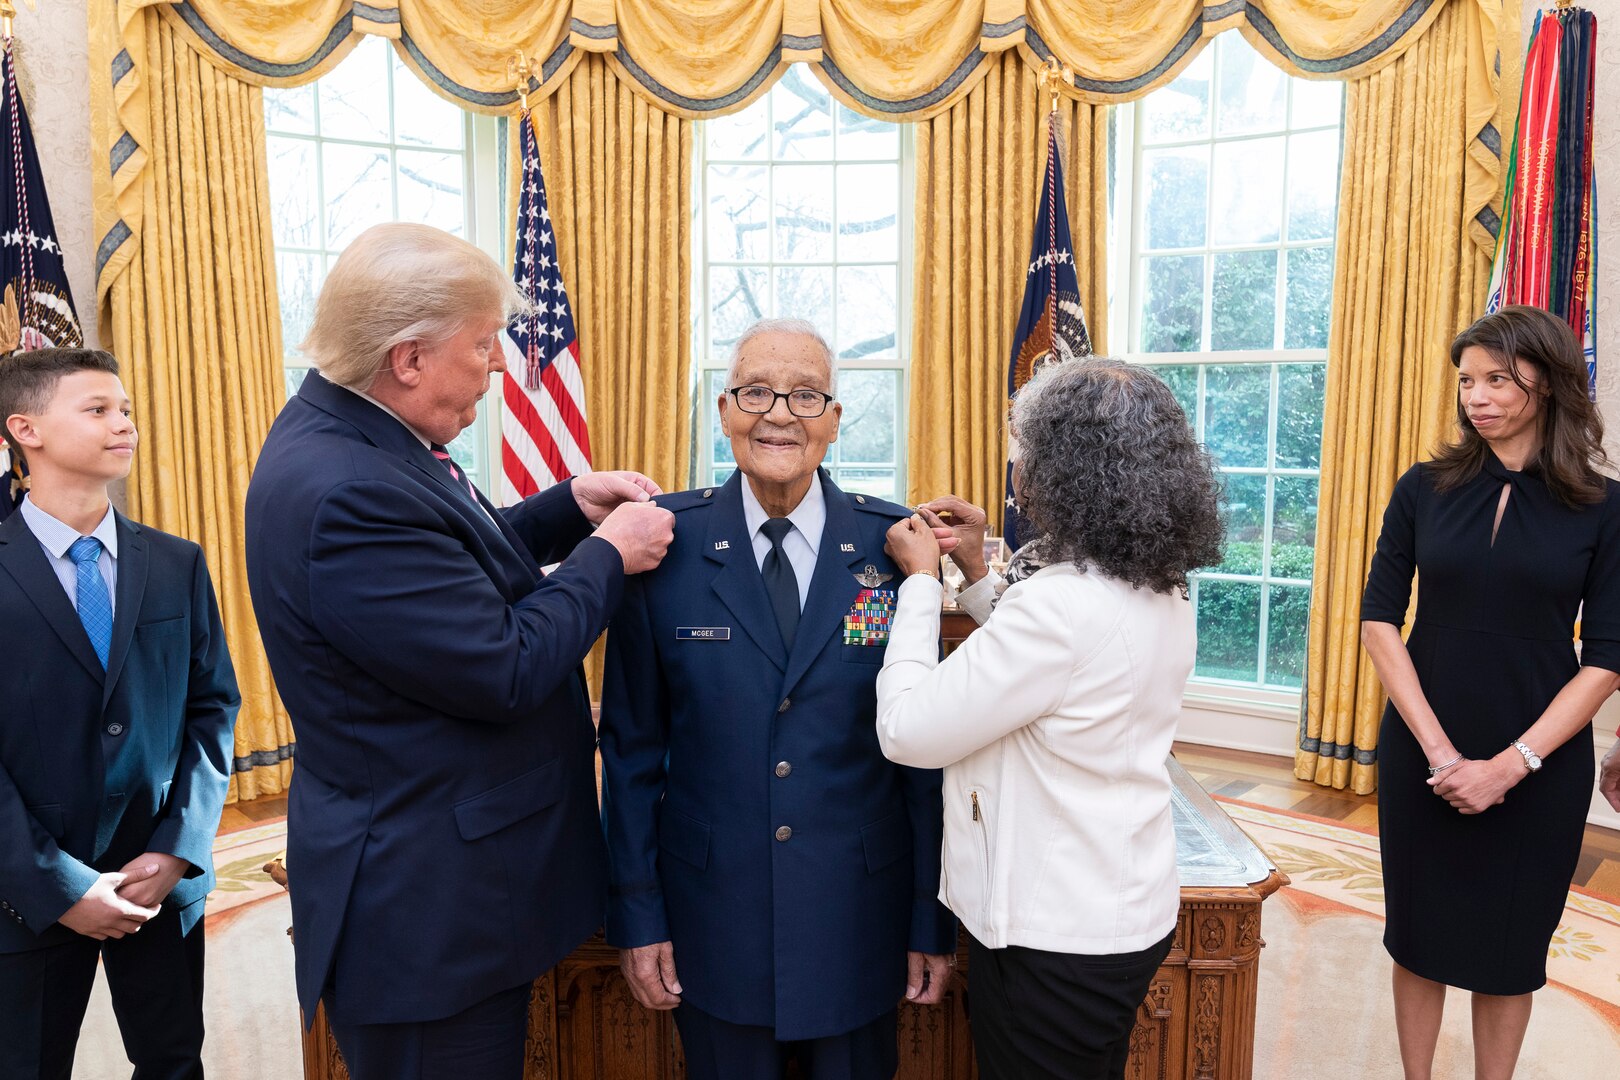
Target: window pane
{"points": [[866, 312], [868, 432], [801, 117], [1286, 625], [719, 445], [432, 189], [1249, 191], [1243, 306], [878, 482], [1253, 91], [354, 95], [1309, 302], [804, 210], [294, 217], [738, 212], [292, 378], [1244, 499], [298, 280], [737, 299], [739, 135], [1228, 630], [1181, 110], [1183, 382], [806, 292], [358, 191], [291, 110], [1237, 398], [423, 117], [1177, 190], [1173, 304], [1318, 102], [1313, 184], [1301, 389], [868, 212], [863, 137], [466, 450], [1293, 527]]}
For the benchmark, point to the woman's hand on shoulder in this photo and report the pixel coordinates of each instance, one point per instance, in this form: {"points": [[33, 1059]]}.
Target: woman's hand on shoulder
{"points": [[913, 546]]}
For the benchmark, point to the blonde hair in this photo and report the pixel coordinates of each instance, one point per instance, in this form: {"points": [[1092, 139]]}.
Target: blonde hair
{"points": [[401, 282]]}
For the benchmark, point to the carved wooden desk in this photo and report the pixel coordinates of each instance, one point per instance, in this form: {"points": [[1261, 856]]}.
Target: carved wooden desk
{"points": [[1197, 1023]]}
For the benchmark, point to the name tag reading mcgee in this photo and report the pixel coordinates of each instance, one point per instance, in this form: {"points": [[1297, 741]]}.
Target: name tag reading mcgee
{"points": [[703, 633]]}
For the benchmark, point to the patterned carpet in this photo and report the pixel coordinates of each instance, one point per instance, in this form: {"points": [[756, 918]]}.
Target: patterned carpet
{"points": [[1324, 1009]]}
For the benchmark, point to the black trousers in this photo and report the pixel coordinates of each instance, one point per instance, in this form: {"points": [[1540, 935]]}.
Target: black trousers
{"points": [[155, 977], [484, 1040], [718, 1050], [1062, 1016]]}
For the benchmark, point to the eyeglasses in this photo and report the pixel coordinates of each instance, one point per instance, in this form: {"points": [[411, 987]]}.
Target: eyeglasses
{"points": [[805, 404]]}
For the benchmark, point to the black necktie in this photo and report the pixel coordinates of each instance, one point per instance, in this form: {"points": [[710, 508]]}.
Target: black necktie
{"points": [[780, 584]]}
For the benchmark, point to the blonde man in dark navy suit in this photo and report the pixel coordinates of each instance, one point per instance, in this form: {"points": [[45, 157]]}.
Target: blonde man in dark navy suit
{"points": [[774, 878]]}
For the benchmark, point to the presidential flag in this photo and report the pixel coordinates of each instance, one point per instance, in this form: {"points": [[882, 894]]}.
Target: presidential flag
{"points": [[1052, 324], [544, 437], [36, 307]]}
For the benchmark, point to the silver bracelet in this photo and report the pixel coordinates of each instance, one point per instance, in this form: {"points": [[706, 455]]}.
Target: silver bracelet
{"points": [[1436, 770]]}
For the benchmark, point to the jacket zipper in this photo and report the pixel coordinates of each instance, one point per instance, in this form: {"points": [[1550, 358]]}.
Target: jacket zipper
{"points": [[984, 842]]}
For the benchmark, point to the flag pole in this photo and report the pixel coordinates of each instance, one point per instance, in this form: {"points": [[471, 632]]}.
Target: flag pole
{"points": [[1053, 75], [8, 12]]}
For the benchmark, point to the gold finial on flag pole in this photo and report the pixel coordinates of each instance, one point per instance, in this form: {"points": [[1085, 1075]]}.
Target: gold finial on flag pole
{"points": [[8, 11], [518, 67], [1052, 76]]}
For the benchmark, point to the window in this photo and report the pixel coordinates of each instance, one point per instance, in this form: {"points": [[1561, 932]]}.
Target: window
{"points": [[1233, 175], [369, 142], [804, 211]]}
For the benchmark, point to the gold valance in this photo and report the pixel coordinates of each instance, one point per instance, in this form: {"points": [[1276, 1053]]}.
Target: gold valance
{"points": [[899, 59]]}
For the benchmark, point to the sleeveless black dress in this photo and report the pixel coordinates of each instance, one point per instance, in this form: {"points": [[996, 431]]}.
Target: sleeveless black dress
{"points": [[1474, 900]]}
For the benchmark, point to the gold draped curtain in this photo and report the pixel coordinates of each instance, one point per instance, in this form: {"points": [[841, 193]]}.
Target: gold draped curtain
{"points": [[1414, 241], [193, 320], [979, 171], [617, 153]]}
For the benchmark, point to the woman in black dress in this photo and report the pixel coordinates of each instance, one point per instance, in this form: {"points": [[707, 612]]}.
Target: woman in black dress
{"points": [[1485, 755]]}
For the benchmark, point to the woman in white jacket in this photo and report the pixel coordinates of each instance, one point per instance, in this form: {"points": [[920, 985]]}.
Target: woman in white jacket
{"points": [[1053, 720]]}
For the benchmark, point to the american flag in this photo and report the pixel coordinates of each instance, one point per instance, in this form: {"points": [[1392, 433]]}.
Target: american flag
{"points": [[544, 437]]}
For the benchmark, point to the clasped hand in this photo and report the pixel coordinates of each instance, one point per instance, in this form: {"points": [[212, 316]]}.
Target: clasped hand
{"points": [[121, 902], [1472, 787]]}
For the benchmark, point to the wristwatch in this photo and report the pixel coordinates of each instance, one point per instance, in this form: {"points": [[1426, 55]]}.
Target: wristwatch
{"points": [[1531, 761]]}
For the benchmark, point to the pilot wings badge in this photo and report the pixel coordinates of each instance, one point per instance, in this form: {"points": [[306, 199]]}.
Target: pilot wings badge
{"points": [[870, 577]]}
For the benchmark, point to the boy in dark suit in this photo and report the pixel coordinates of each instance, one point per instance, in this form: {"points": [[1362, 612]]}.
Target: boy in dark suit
{"points": [[117, 702]]}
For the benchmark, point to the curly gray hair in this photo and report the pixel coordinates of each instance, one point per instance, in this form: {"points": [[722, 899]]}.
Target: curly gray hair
{"points": [[1111, 476]]}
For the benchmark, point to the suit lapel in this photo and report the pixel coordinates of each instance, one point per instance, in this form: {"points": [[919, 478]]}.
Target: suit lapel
{"points": [[26, 562], [833, 587], [737, 581], [132, 567]]}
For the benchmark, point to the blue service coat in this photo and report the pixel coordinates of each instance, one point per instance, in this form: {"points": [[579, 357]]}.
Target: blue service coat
{"points": [[99, 766], [443, 838], [716, 741]]}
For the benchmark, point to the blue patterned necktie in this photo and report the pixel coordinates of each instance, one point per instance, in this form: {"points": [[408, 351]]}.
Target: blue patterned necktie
{"points": [[95, 606], [781, 584]]}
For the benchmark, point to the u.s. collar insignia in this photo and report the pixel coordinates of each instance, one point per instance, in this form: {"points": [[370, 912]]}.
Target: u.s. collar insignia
{"points": [[848, 549], [870, 578], [722, 545]]}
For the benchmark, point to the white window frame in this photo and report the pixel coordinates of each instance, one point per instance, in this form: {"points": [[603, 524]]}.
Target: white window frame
{"points": [[1127, 293], [484, 172], [701, 469]]}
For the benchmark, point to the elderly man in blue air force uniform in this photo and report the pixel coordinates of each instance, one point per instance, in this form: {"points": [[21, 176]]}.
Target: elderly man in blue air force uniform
{"points": [[774, 879]]}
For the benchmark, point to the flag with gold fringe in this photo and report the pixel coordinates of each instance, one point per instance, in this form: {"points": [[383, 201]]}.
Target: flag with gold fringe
{"points": [[36, 306], [1052, 322], [1546, 251]]}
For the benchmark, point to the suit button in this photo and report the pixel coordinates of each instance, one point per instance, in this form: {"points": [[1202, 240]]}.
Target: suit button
{"points": [[784, 834], [783, 768], [115, 728], [787, 703]]}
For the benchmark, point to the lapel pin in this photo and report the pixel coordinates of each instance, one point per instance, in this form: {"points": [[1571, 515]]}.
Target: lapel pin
{"points": [[847, 548], [722, 545], [870, 577]]}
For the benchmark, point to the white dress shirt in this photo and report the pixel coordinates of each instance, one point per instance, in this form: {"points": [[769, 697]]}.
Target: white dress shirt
{"points": [[801, 543], [56, 537]]}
